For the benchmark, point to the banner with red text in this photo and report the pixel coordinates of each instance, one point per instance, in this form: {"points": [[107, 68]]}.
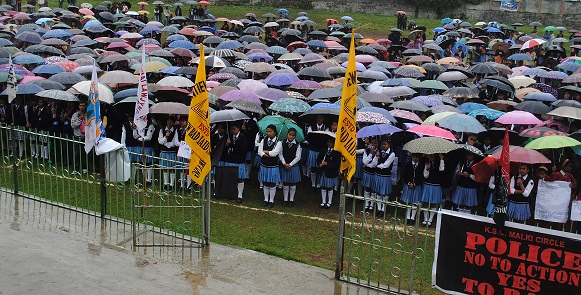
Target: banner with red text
{"points": [[474, 256]]}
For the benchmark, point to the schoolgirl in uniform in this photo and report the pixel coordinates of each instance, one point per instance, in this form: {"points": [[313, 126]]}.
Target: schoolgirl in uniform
{"points": [[356, 179], [383, 188], [235, 155], [432, 189], [368, 178], [256, 162], [146, 149], [268, 150], [313, 153], [289, 167], [521, 185], [412, 178], [329, 162], [185, 179], [168, 145], [465, 196]]}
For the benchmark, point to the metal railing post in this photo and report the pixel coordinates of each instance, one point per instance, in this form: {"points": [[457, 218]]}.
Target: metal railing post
{"points": [[340, 232], [13, 158], [103, 187], [206, 209]]}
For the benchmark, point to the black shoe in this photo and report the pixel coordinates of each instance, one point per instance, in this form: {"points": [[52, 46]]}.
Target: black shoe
{"points": [[270, 205], [322, 206], [264, 204], [327, 206], [166, 187], [239, 201], [314, 189], [380, 214], [285, 204], [291, 204]]}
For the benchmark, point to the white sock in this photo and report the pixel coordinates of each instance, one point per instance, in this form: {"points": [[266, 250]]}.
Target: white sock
{"points": [[372, 200], [426, 215], [323, 196], [330, 197], [272, 194], [293, 190], [285, 191], [261, 184], [21, 148], [408, 213], [266, 192], [240, 189], [313, 179], [165, 178], [149, 174], [432, 216], [182, 179], [367, 196], [172, 179], [46, 152], [413, 214], [380, 205]]}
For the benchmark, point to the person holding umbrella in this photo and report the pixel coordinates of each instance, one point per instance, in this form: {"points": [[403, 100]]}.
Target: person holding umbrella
{"points": [[367, 180], [465, 196], [329, 162], [432, 189], [268, 150], [289, 167], [383, 188], [521, 185], [412, 178], [168, 144], [235, 155]]}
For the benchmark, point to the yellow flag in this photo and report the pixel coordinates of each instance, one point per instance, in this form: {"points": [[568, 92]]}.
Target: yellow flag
{"points": [[198, 130], [346, 142]]}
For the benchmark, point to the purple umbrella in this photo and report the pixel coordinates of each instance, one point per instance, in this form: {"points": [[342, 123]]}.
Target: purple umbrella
{"points": [[281, 79], [18, 69], [312, 57], [377, 130], [428, 101], [445, 108], [234, 95], [271, 94], [306, 84], [258, 56], [544, 88], [358, 66]]}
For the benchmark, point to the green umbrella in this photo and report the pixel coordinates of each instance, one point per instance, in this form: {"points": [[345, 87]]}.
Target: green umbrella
{"points": [[432, 84], [549, 28], [289, 105], [552, 142], [282, 126], [4, 77], [429, 146]]}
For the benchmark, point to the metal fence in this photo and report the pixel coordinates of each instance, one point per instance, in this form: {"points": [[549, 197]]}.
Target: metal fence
{"points": [[51, 179]]}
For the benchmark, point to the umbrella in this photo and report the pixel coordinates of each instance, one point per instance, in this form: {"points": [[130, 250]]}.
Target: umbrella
{"points": [[323, 109], [518, 117], [405, 115], [468, 107], [281, 79], [324, 94], [533, 107], [452, 76], [48, 69], [433, 131], [369, 117], [247, 105], [566, 103], [431, 120], [566, 112], [445, 99], [461, 92], [523, 155], [488, 113], [428, 101], [377, 130], [552, 142], [410, 105], [537, 132], [429, 146], [461, 123], [410, 72], [282, 126], [57, 95], [521, 81], [470, 148], [520, 56], [289, 105], [233, 95], [231, 115], [48, 84], [271, 94], [532, 43], [175, 81], [67, 78], [318, 139], [260, 67], [377, 110], [483, 69], [25, 89], [540, 96], [118, 78]]}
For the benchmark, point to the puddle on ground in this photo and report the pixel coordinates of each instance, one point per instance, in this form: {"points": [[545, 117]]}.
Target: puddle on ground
{"points": [[94, 249], [196, 280], [141, 262]]}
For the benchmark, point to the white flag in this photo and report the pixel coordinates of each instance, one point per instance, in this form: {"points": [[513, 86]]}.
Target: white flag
{"points": [[12, 84], [94, 129], [142, 102]]}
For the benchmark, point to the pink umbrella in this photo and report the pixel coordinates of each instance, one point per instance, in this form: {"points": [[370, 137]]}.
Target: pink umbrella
{"points": [[518, 117], [149, 48], [86, 11], [306, 84], [406, 115], [21, 16], [28, 79], [549, 123], [532, 43], [233, 95], [251, 85], [434, 131], [154, 23], [521, 155], [120, 45], [212, 84], [68, 65], [364, 58]]}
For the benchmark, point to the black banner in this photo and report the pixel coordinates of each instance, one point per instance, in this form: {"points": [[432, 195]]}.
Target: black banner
{"points": [[474, 256]]}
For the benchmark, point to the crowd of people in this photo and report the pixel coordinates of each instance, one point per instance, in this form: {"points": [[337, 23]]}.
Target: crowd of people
{"points": [[484, 70]]}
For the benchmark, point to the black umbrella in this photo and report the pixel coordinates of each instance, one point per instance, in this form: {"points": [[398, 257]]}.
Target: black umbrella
{"points": [[325, 93], [484, 69], [498, 85], [314, 72], [533, 107], [318, 139], [49, 84], [498, 133]]}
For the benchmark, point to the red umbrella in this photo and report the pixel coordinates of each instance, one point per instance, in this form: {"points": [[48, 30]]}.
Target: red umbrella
{"points": [[434, 131], [532, 43], [204, 3], [484, 169], [400, 12], [383, 41], [537, 132], [68, 65], [521, 155], [519, 118]]}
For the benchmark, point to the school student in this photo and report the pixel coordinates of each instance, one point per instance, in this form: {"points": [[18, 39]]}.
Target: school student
{"points": [[521, 185], [185, 179], [268, 150], [289, 167], [235, 155], [465, 196], [168, 144], [368, 178], [412, 178], [432, 189], [146, 148], [328, 161], [313, 153], [383, 188]]}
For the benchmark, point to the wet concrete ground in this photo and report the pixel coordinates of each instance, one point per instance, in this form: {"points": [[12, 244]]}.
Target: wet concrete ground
{"points": [[50, 250]]}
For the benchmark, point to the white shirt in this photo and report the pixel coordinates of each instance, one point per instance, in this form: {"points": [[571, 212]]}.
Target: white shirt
{"points": [[148, 133], [369, 160], [389, 160], [297, 155], [163, 140], [440, 168], [274, 152], [528, 188]]}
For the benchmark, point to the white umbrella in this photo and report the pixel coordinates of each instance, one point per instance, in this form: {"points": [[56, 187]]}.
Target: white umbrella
{"points": [[175, 81], [175, 108], [105, 93], [521, 81]]}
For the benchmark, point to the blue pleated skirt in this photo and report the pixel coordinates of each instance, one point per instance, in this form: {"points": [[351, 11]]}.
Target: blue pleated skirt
{"points": [[168, 159], [312, 159], [465, 196], [293, 175], [136, 153], [382, 185], [256, 162], [411, 196], [431, 194], [518, 211], [490, 206], [358, 168], [304, 155], [242, 172], [367, 179], [269, 174], [326, 182]]}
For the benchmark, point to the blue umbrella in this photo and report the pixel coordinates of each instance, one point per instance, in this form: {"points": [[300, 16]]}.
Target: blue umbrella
{"points": [[30, 37], [396, 82], [44, 20], [325, 105], [96, 28], [171, 29], [569, 66], [347, 18], [468, 107], [446, 20], [91, 23], [149, 30], [27, 58], [520, 56], [178, 4], [381, 111], [60, 34], [5, 42], [85, 43], [490, 114], [254, 57], [302, 18], [176, 37], [276, 50], [170, 70], [26, 89], [492, 30], [48, 69], [281, 79], [461, 45], [207, 29], [461, 123], [438, 30], [181, 44], [317, 43], [377, 130], [534, 72], [282, 11], [230, 44], [540, 96]]}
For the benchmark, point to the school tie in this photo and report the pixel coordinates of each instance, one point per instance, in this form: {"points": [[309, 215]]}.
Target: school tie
{"points": [[290, 144], [329, 150], [270, 142], [235, 138]]}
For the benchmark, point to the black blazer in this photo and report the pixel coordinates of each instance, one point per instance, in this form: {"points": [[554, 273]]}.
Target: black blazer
{"points": [[408, 176], [331, 170], [235, 152]]}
